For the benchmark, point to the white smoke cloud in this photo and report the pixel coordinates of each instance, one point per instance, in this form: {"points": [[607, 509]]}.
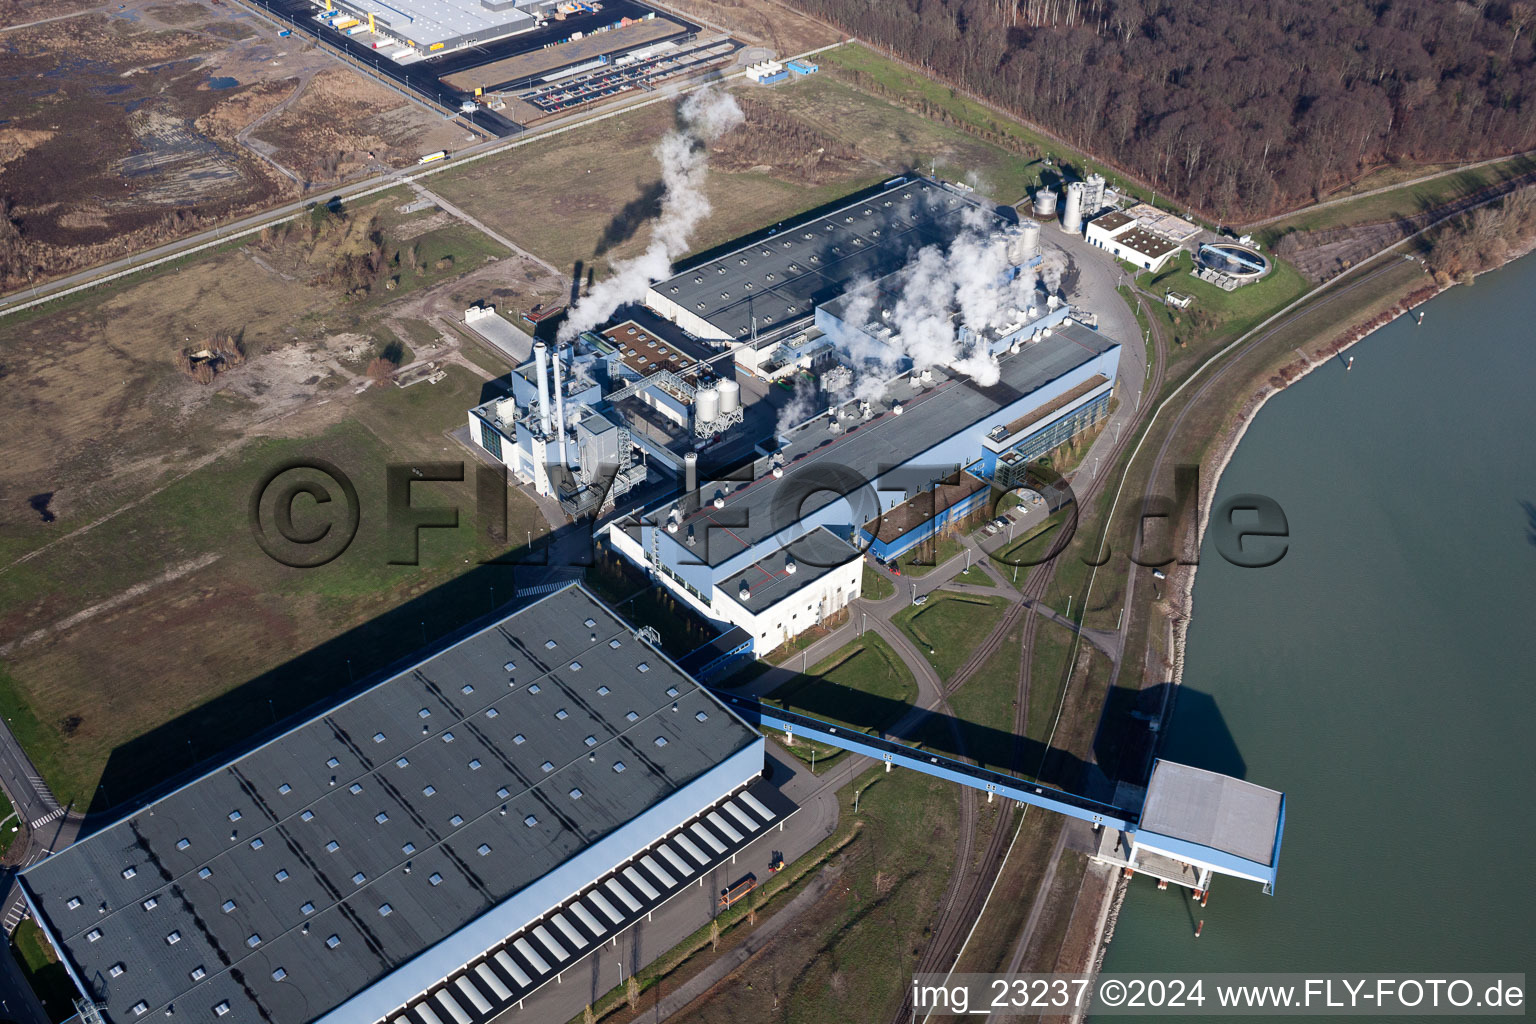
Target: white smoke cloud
{"points": [[925, 304], [707, 115], [802, 406]]}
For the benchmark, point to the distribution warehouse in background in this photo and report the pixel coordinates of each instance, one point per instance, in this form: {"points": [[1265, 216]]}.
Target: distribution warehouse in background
{"points": [[432, 849]]}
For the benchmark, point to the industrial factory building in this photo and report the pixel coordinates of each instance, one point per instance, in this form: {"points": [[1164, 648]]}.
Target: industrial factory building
{"points": [[589, 423], [1122, 235], [782, 278], [431, 850], [780, 552]]}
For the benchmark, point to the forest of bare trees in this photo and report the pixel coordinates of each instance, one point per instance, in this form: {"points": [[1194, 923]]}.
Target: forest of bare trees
{"points": [[1238, 109]]}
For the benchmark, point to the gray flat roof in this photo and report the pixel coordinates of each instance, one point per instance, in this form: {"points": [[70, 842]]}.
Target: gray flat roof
{"points": [[1213, 810], [432, 21], [785, 276], [752, 511], [386, 799], [815, 554]]}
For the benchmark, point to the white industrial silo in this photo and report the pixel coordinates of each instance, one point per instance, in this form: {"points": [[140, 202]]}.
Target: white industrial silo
{"points": [[1045, 203], [1093, 194], [730, 397], [1072, 213], [1029, 240], [706, 404]]}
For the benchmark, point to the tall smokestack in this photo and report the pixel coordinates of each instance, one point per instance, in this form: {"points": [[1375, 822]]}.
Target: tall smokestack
{"points": [[541, 369], [691, 472], [559, 412]]}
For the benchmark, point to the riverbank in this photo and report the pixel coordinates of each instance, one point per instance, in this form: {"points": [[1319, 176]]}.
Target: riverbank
{"points": [[1289, 374], [1266, 383]]}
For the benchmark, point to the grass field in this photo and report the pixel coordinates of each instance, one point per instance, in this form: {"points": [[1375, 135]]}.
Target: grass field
{"points": [[862, 684], [984, 706], [47, 976], [950, 626], [1401, 202], [588, 196], [7, 835], [929, 555], [877, 586], [129, 542], [974, 576], [213, 611]]}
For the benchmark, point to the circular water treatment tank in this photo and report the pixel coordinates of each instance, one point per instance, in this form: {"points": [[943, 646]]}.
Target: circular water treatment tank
{"points": [[1233, 259]]}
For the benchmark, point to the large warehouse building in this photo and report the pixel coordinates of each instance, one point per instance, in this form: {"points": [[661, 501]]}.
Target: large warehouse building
{"points": [[429, 851]]}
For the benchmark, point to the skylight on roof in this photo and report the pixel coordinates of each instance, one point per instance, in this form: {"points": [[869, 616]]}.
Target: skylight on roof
{"points": [[378, 737]]}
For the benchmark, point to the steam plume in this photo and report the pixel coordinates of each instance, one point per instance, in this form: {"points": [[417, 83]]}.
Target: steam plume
{"points": [[706, 115]]}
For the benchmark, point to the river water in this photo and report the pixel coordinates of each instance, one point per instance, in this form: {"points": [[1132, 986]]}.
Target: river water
{"points": [[1383, 674]]}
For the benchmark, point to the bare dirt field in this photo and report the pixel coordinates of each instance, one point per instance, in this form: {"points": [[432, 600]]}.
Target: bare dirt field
{"points": [[760, 22], [125, 126], [341, 125], [124, 539], [588, 195]]}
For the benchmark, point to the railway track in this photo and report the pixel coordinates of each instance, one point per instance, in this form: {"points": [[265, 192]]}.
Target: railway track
{"points": [[959, 913]]}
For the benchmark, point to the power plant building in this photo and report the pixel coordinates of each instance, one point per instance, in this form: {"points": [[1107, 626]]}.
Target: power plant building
{"points": [[781, 278], [434, 848], [780, 551]]}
